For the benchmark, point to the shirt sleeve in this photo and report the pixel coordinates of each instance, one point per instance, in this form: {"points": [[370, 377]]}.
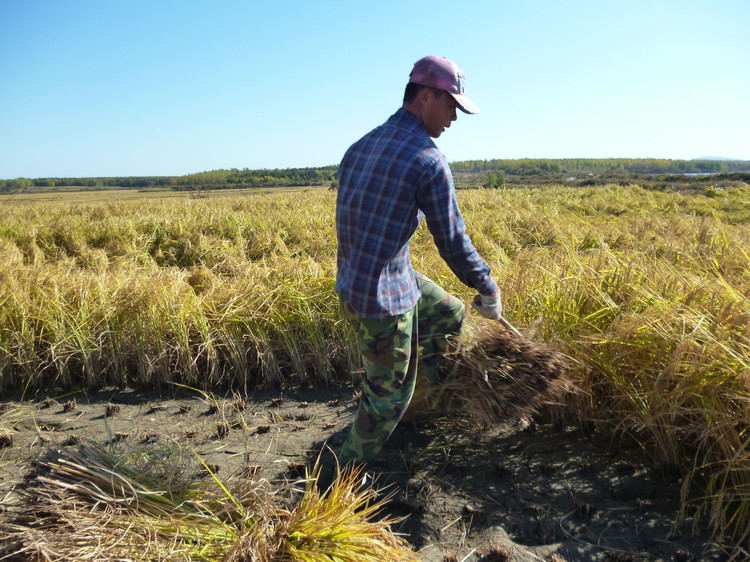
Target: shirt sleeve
{"points": [[436, 196]]}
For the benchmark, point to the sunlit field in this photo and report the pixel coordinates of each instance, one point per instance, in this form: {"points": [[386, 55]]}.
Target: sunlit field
{"points": [[646, 291]]}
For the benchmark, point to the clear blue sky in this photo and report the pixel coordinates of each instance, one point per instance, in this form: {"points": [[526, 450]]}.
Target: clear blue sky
{"points": [[153, 87]]}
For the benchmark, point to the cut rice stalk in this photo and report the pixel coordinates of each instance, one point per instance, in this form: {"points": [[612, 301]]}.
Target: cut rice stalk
{"points": [[497, 375]]}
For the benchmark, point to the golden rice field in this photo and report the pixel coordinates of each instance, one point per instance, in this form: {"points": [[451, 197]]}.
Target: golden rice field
{"points": [[646, 291]]}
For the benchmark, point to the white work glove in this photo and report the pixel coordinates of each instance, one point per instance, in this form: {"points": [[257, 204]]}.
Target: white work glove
{"points": [[489, 306]]}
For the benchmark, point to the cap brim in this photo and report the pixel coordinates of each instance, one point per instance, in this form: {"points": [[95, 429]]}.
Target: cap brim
{"points": [[465, 104]]}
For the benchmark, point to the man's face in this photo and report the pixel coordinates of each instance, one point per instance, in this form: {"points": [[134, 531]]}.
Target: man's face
{"points": [[439, 113]]}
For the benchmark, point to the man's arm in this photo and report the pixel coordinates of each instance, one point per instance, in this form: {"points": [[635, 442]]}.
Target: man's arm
{"points": [[437, 199]]}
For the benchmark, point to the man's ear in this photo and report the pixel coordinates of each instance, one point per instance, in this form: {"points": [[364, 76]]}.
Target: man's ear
{"points": [[424, 96]]}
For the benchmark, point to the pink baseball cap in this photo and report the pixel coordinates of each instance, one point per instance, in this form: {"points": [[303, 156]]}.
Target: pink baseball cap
{"points": [[439, 72]]}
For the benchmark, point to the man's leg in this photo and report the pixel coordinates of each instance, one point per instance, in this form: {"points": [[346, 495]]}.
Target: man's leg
{"points": [[440, 316], [389, 352]]}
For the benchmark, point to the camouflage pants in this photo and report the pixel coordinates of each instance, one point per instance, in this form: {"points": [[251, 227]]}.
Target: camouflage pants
{"points": [[390, 349]]}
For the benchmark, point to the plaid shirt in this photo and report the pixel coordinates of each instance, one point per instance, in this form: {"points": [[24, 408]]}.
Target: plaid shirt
{"points": [[388, 181]]}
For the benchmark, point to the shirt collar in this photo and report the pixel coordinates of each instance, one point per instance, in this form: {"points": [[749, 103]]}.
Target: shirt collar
{"points": [[406, 120]]}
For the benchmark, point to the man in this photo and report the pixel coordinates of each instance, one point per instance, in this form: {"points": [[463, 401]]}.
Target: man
{"points": [[388, 181]]}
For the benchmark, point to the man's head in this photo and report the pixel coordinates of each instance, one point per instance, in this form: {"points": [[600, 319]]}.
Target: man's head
{"points": [[443, 74], [436, 88]]}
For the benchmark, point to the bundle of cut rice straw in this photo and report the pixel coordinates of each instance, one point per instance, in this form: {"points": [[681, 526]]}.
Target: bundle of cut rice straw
{"points": [[498, 375]]}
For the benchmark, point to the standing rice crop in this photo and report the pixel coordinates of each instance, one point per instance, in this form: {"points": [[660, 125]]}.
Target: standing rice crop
{"points": [[230, 291], [648, 294]]}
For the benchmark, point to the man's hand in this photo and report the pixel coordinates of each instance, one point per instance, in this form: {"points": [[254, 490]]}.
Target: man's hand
{"points": [[489, 306]]}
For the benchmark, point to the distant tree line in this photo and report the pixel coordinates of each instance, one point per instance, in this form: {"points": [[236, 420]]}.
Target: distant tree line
{"points": [[578, 166], [495, 170], [216, 179], [259, 178]]}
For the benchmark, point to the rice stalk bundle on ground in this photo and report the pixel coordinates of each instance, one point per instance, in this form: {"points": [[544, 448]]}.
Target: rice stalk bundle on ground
{"points": [[105, 503], [342, 522], [498, 375]]}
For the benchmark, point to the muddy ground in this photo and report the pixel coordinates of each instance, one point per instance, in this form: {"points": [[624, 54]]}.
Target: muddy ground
{"points": [[521, 491]]}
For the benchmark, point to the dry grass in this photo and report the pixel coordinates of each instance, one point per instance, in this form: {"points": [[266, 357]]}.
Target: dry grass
{"points": [[143, 503], [499, 376]]}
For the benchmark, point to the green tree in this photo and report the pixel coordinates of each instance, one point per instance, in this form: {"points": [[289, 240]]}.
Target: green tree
{"points": [[495, 179], [18, 184]]}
